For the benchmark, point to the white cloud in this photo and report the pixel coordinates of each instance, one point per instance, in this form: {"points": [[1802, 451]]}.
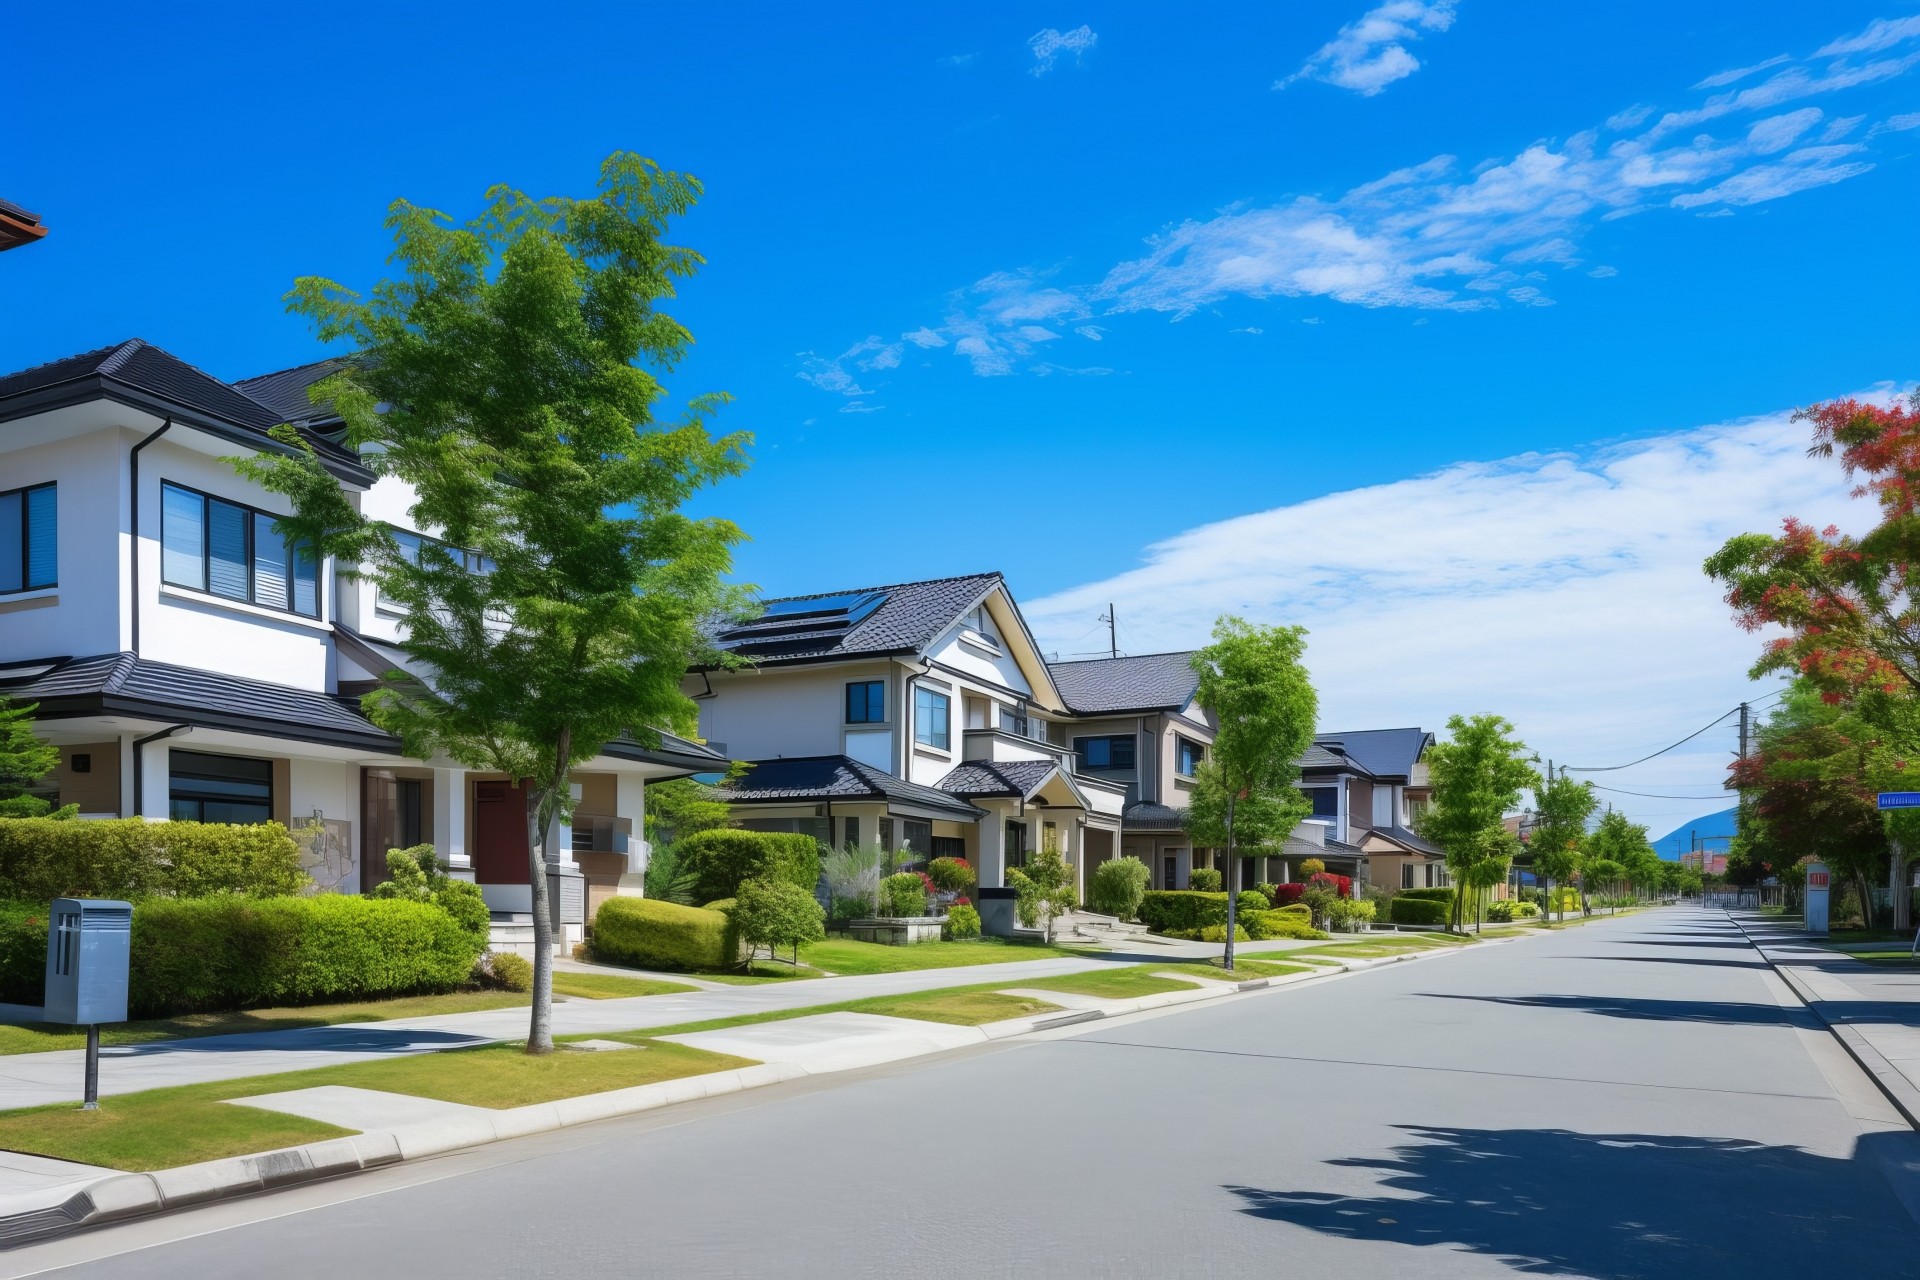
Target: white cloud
{"points": [[1603, 273], [1785, 86], [1777, 133], [860, 406], [1896, 124], [1721, 79], [1091, 332], [1255, 330], [1798, 171], [958, 60], [1370, 53], [1631, 118], [1881, 33], [924, 337], [869, 355], [1049, 44], [1562, 590]]}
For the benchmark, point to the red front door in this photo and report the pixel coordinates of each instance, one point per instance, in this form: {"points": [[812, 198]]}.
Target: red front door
{"points": [[500, 833]]}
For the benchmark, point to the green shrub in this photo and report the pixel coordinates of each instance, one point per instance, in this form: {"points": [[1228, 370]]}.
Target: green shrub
{"points": [[1299, 910], [1204, 880], [1117, 886], [903, 894], [1526, 909], [1282, 923], [23, 953], [963, 922], [663, 935], [1268, 890], [952, 875], [1427, 895], [1218, 933], [45, 858], [1500, 912], [724, 905], [721, 860], [508, 971], [1248, 901], [775, 914], [1411, 910], [415, 875], [1167, 910]]}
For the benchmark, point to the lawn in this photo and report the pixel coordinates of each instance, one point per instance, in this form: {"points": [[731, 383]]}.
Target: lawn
{"points": [[957, 1008], [610, 986], [1245, 968], [845, 956], [161, 1128], [1112, 984]]}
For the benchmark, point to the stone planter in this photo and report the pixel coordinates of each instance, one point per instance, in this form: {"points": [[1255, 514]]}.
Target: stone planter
{"points": [[896, 931]]}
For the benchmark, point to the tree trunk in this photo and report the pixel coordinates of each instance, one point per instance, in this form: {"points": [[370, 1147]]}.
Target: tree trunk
{"points": [[1228, 879], [542, 808]]}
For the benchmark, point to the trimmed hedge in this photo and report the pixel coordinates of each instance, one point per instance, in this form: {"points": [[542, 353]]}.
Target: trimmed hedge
{"points": [[1165, 910], [42, 859], [1204, 880], [1299, 910], [723, 859], [1281, 924], [650, 934], [1248, 901], [1427, 895], [1218, 933], [1411, 910], [196, 954]]}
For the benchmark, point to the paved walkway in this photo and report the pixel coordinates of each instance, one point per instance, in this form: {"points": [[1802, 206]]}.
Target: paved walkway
{"points": [[36, 1079], [1874, 1009]]}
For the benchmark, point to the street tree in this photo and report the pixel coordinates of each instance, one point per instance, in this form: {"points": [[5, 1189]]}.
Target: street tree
{"points": [[1043, 889], [1563, 807], [1477, 777], [1615, 848], [1255, 684], [510, 376], [25, 758]]}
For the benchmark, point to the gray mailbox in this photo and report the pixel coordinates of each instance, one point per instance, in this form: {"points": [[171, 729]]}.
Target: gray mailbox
{"points": [[89, 942]]}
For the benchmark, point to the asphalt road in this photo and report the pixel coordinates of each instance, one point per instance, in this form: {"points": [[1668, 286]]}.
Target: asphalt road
{"points": [[1638, 1097]]}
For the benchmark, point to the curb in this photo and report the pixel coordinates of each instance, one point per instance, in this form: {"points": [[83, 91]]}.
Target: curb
{"points": [[1886, 1077], [123, 1196]]}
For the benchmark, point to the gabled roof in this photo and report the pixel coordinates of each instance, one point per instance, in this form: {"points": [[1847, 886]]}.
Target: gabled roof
{"points": [[1295, 847], [799, 779], [143, 376], [1144, 815], [1323, 757], [1145, 682], [1018, 778], [1408, 840], [284, 392], [1385, 753], [907, 619]]}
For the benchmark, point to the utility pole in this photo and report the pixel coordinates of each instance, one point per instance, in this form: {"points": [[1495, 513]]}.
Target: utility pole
{"points": [[1113, 623]]}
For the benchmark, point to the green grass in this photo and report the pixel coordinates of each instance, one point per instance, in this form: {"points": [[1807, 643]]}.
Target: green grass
{"points": [[1112, 984], [845, 956], [610, 986], [956, 1008], [761, 972], [161, 1128], [1245, 967]]}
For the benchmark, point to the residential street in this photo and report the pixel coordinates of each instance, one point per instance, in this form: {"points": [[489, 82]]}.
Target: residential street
{"points": [[1633, 1098]]}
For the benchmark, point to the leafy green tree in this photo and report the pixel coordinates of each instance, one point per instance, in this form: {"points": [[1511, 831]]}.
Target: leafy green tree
{"points": [[1477, 776], [415, 874], [1044, 888], [25, 758], [510, 375], [682, 807], [1118, 886], [1614, 849], [1254, 683], [1563, 807], [775, 914]]}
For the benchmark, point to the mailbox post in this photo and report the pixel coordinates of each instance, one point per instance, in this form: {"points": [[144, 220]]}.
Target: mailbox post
{"points": [[89, 949]]}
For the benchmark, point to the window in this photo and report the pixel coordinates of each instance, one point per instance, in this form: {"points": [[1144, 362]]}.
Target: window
{"points": [[220, 547], [930, 711], [29, 539], [1406, 876], [1016, 843], [210, 788], [411, 545], [853, 830], [1326, 801], [867, 702], [947, 846], [1115, 752], [918, 836], [1187, 755]]}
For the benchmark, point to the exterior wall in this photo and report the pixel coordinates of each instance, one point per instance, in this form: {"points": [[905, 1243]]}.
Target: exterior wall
{"points": [[1120, 727], [83, 614], [96, 791], [961, 649], [389, 499], [1359, 807], [763, 714]]}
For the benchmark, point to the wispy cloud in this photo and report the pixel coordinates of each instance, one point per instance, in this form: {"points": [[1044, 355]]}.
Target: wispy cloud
{"points": [[1049, 44], [1537, 586], [1370, 52], [840, 374], [1881, 33], [1721, 79], [957, 60]]}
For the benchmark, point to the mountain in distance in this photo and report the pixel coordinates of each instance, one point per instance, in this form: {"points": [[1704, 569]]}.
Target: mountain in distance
{"points": [[1713, 829]]}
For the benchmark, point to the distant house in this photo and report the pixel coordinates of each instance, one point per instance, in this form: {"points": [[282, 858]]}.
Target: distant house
{"points": [[1368, 788]]}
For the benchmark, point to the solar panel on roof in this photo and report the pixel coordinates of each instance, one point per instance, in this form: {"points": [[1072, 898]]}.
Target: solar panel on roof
{"points": [[787, 621]]}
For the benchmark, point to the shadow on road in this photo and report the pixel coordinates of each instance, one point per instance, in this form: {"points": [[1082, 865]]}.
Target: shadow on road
{"points": [[1683, 942], [1721, 1012], [1556, 1202], [1722, 964]]}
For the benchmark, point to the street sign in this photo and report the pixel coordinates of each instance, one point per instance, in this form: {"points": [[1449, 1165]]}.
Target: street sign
{"points": [[1900, 799]]}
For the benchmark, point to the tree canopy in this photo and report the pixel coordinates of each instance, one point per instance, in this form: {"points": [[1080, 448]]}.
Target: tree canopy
{"points": [[25, 758], [1563, 807], [1477, 776]]}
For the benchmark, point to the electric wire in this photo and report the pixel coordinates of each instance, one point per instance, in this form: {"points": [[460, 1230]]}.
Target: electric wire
{"points": [[1611, 768]]}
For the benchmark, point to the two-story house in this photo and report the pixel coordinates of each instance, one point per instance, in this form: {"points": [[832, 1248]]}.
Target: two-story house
{"points": [[1368, 787], [189, 662], [917, 715]]}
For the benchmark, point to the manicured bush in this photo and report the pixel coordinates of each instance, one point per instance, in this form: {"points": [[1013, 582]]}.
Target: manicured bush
{"points": [[1204, 880], [1248, 901], [1117, 886], [775, 914], [1285, 895], [1282, 924], [1311, 867], [1167, 910], [952, 875], [415, 875], [1525, 910], [1411, 910], [508, 971], [1342, 886], [1500, 912], [23, 952], [45, 858], [903, 894], [1266, 889], [663, 935], [721, 860], [1218, 933], [963, 922], [1427, 895], [1349, 915], [1298, 910]]}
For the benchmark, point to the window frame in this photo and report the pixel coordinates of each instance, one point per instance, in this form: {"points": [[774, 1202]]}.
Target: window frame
{"points": [[1313, 794], [251, 516], [1085, 766], [202, 796], [25, 493], [871, 687], [926, 703], [1181, 745]]}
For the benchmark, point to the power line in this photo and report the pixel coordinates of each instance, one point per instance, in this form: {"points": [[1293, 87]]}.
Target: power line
{"points": [[1610, 768], [1650, 795]]}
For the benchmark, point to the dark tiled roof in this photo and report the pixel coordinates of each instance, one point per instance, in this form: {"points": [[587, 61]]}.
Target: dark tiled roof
{"points": [[803, 778], [1294, 847], [1149, 682], [285, 392], [166, 383], [998, 777], [11, 209], [1143, 815], [695, 757], [1386, 753], [909, 619], [1401, 835], [1319, 757], [120, 683]]}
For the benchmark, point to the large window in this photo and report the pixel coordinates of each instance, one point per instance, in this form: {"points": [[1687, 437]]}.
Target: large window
{"points": [[220, 547], [1016, 843], [1326, 801], [867, 702], [930, 715], [29, 545], [209, 788], [1187, 755], [1114, 752]]}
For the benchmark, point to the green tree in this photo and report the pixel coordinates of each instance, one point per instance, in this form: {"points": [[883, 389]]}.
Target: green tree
{"points": [[1044, 888], [775, 914], [1118, 886], [1477, 776], [510, 375], [1253, 682], [25, 758], [1614, 850], [1563, 807]]}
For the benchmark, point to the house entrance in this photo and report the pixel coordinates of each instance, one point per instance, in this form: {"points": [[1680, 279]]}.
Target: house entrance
{"points": [[500, 833]]}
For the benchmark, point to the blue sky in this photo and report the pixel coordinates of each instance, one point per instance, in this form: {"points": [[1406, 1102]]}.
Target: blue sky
{"points": [[1076, 293]]}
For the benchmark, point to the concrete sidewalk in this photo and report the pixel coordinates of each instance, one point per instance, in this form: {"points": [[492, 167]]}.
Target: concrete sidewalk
{"points": [[1873, 1010], [36, 1079]]}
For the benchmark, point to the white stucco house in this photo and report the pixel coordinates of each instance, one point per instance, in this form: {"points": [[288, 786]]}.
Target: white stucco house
{"points": [[188, 662]]}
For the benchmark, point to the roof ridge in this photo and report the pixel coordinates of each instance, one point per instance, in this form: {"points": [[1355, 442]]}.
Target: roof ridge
{"points": [[104, 352], [1125, 657], [292, 368], [891, 586], [123, 353], [1396, 728]]}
